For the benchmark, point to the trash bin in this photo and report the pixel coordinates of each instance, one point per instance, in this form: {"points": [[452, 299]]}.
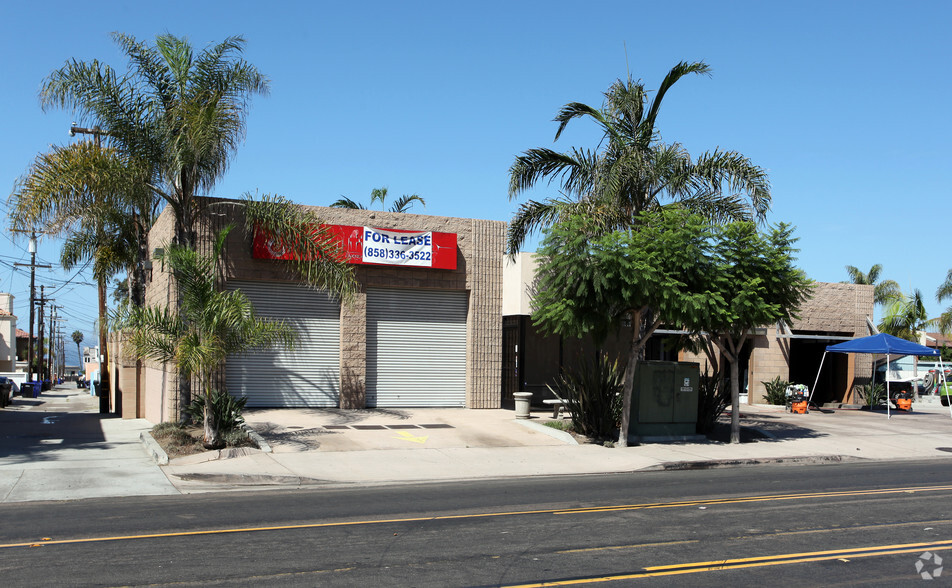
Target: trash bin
{"points": [[6, 384], [26, 389]]}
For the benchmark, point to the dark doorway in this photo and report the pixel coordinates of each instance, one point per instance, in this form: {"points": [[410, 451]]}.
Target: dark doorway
{"points": [[805, 358]]}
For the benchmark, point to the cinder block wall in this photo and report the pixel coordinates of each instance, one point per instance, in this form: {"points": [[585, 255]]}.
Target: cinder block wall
{"points": [[834, 308]]}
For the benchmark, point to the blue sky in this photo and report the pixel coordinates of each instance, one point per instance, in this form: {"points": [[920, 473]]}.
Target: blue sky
{"points": [[844, 103]]}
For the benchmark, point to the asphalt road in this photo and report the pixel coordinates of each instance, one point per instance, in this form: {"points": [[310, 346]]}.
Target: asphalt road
{"points": [[857, 524]]}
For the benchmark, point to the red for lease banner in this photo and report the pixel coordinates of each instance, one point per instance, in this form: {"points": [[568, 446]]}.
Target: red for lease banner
{"points": [[372, 246]]}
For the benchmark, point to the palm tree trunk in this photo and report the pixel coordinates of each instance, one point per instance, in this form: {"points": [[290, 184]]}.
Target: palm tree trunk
{"points": [[212, 436]]}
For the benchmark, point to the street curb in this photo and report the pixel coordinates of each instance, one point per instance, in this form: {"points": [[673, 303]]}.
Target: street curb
{"points": [[555, 433], [262, 444], [153, 448], [729, 463]]}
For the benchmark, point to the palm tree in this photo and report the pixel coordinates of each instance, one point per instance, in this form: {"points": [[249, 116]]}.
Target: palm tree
{"points": [[182, 116], [943, 293], [906, 317], [208, 326], [402, 204], [98, 198], [884, 291], [182, 113], [77, 339], [632, 170]]}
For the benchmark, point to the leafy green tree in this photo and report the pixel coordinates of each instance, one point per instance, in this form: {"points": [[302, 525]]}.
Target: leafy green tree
{"points": [[758, 284], [77, 339], [884, 291], [632, 170], [402, 204], [906, 316], [208, 326], [588, 280]]}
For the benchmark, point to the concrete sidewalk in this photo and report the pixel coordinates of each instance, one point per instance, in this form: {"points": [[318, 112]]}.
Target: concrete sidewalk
{"points": [[332, 447], [57, 447]]}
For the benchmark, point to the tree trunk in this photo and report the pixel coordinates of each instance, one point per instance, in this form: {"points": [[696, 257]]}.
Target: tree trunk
{"points": [[735, 400], [640, 334], [633, 353], [212, 436]]}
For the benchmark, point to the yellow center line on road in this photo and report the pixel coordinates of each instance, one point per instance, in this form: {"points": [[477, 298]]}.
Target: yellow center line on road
{"points": [[765, 498], [633, 546], [552, 511], [751, 562]]}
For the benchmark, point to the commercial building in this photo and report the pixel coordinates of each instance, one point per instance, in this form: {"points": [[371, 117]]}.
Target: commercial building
{"points": [[423, 330], [835, 313]]}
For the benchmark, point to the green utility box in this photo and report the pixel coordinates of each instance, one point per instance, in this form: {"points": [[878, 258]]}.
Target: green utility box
{"points": [[664, 400]]}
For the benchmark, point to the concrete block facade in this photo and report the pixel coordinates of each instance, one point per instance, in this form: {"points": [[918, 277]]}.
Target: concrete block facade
{"points": [[480, 247]]}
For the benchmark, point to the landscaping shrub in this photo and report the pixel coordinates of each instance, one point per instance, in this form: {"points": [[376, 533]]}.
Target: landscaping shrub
{"points": [[592, 393], [873, 395], [776, 391], [714, 395], [226, 410]]}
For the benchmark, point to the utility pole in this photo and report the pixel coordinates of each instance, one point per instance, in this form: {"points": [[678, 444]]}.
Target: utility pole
{"points": [[50, 371], [103, 388], [41, 363], [33, 266]]}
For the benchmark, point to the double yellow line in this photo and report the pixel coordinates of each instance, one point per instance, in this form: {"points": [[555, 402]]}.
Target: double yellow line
{"points": [[550, 511], [752, 562]]}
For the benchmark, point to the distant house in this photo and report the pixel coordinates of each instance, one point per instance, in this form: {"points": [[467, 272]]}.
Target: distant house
{"points": [[23, 349], [8, 334]]}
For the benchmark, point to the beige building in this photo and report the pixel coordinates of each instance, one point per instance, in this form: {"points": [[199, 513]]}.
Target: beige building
{"points": [[424, 329], [8, 334], [835, 313]]}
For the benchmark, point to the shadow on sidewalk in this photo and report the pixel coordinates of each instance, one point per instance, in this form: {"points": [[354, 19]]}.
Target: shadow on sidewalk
{"points": [[761, 428], [40, 429]]}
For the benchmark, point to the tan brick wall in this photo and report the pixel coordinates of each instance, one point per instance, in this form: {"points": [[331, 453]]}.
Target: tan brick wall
{"points": [[834, 309], [840, 308], [479, 272]]}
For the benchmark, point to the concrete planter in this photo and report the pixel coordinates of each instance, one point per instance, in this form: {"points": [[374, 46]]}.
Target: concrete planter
{"points": [[523, 399]]}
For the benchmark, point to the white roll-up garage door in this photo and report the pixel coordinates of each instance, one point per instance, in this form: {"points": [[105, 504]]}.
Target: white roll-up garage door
{"points": [[308, 375], [416, 348]]}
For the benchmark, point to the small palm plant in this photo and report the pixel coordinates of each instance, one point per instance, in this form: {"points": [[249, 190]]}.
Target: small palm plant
{"points": [[208, 326], [401, 204]]}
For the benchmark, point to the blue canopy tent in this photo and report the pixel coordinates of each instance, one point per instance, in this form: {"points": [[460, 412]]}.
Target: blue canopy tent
{"points": [[880, 344]]}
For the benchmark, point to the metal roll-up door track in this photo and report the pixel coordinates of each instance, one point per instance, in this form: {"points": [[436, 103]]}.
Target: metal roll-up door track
{"points": [[416, 348], [308, 375]]}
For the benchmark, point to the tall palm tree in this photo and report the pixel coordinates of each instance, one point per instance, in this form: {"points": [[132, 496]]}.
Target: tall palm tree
{"points": [[182, 112], [632, 170], [77, 339], [884, 291], [906, 317], [96, 196], [209, 325], [402, 204]]}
